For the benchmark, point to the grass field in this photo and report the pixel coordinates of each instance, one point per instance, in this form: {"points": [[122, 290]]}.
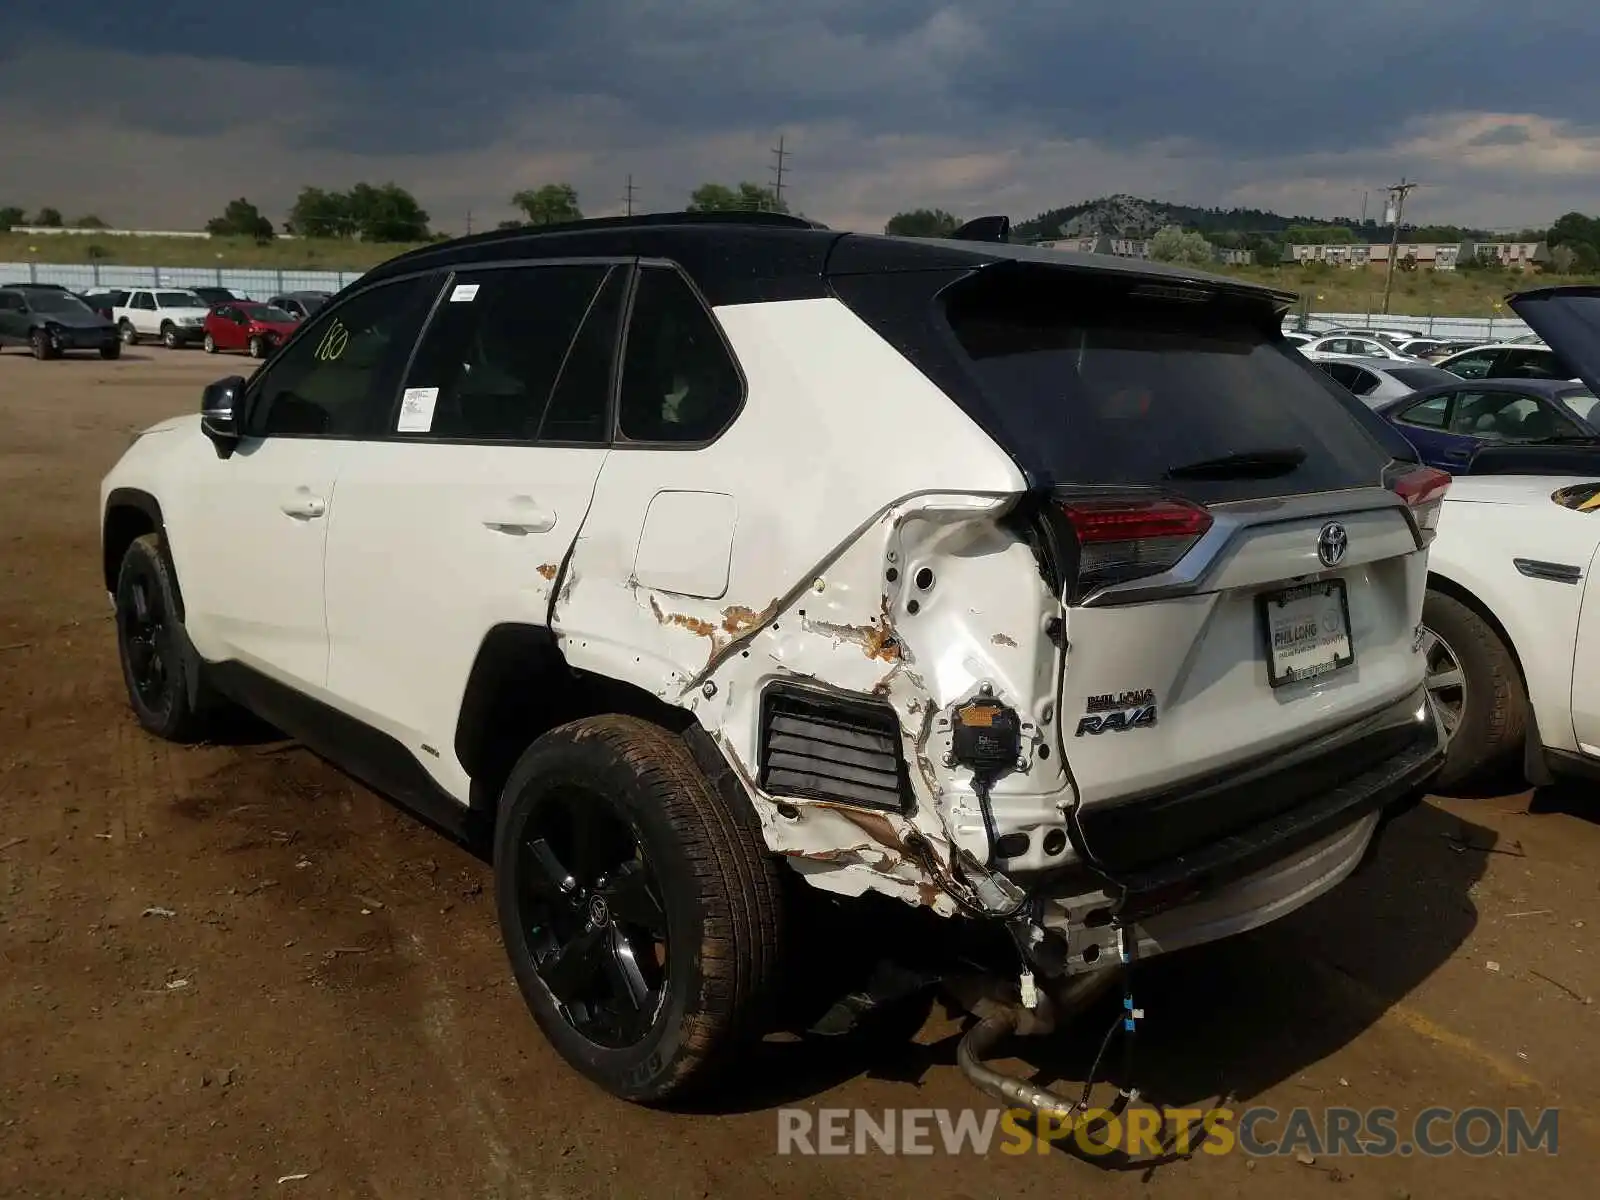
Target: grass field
{"points": [[1329, 289]]}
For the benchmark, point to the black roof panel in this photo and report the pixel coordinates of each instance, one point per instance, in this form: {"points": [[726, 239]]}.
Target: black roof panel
{"points": [[747, 257]]}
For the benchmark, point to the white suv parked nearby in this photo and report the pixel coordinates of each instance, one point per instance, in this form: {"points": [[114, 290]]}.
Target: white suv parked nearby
{"points": [[695, 559], [174, 315]]}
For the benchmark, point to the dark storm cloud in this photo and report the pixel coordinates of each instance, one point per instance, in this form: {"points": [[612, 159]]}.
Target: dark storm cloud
{"points": [[418, 76]]}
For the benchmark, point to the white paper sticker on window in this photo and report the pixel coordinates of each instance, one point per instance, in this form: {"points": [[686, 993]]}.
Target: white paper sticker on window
{"points": [[416, 410], [464, 291]]}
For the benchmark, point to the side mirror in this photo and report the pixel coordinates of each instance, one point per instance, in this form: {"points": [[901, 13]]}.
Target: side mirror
{"points": [[221, 417]]}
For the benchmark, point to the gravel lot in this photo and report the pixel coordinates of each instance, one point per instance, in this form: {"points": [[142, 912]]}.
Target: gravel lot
{"points": [[328, 997]]}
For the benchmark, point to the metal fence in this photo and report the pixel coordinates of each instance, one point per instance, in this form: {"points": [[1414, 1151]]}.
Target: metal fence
{"points": [[1450, 329], [260, 284], [252, 284]]}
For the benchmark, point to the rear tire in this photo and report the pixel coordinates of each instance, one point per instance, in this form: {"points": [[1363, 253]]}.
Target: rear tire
{"points": [[1474, 678], [126, 331], [258, 348], [152, 646], [210, 344], [111, 350], [585, 793]]}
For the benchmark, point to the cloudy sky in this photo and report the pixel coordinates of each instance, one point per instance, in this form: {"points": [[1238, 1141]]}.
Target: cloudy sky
{"points": [[155, 114]]}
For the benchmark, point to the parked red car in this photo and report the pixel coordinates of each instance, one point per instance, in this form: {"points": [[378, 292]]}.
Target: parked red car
{"points": [[247, 325]]}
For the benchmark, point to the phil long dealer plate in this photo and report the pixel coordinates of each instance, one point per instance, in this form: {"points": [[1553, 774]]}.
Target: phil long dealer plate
{"points": [[1308, 631]]}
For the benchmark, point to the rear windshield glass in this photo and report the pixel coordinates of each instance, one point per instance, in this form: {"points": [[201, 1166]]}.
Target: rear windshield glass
{"points": [[1418, 378], [1112, 387]]}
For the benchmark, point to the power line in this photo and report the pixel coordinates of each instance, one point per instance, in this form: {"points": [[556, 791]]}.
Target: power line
{"points": [[777, 186], [627, 197], [1397, 202]]}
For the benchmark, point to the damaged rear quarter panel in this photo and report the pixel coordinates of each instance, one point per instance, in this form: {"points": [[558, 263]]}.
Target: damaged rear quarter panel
{"points": [[838, 460]]}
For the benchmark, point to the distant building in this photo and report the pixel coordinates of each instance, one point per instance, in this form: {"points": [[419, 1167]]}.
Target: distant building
{"points": [[1434, 256]]}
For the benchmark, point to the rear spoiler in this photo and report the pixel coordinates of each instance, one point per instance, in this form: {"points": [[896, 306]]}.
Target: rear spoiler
{"points": [[1535, 459], [984, 229]]}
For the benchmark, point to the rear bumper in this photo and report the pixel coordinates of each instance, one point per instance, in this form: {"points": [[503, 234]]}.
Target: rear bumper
{"points": [[1256, 874]]}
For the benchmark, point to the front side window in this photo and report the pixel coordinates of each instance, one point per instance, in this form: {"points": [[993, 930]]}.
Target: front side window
{"points": [[679, 382], [1473, 366], [337, 378], [144, 302], [491, 357]]}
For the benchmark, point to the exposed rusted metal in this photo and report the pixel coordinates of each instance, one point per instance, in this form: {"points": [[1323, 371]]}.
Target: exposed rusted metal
{"points": [[739, 620], [549, 570], [1001, 639]]}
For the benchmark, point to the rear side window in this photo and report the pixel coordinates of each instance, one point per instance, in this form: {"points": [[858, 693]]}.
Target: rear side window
{"points": [[1418, 378], [1429, 414], [679, 382], [1117, 383], [487, 366], [1533, 364]]}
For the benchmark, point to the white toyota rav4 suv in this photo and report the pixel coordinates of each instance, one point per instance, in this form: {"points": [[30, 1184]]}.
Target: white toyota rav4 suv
{"points": [[700, 559]]}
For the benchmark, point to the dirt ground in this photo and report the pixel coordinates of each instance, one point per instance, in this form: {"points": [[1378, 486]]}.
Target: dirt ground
{"points": [[328, 1000]]}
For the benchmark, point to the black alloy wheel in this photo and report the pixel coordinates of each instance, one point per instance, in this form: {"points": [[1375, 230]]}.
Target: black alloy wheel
{"points": [[642, 916], [590, 910], [152, 645]]}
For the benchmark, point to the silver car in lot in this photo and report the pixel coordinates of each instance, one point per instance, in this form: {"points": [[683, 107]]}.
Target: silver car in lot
{"points": [[1378, 380]]}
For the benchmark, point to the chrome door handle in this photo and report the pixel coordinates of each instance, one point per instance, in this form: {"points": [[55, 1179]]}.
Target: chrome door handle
{"points": [[522, 515], [305, 508]]}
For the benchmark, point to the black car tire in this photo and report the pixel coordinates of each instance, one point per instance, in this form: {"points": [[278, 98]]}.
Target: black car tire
{"points": [[126, 331], [258, 347], [717, 897], [1489, 734], [152, 646], [39, 343], [169, 336], [210, 344], [111, 350]]}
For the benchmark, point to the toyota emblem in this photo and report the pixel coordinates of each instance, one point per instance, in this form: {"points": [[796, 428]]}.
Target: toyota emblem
{"points": [[1332, 543]]}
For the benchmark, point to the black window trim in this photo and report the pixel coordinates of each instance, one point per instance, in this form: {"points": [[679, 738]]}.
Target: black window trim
{"points": [[252, 387], [388, 432], [618, 442]]}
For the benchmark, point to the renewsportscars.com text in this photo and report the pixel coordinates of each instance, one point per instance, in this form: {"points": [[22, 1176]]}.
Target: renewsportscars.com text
{"points": [[1258, 1132]]}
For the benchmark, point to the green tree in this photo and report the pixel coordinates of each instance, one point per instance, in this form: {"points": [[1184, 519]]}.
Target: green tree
{"points": [[549, 205], [923, 223], [48, 217], [746, 197], [89, 221], [386, 212], [1174, 244], [321, 214], [1268, 252], [1581, 235], [11, 215], [241, 219], [1319, 235]]}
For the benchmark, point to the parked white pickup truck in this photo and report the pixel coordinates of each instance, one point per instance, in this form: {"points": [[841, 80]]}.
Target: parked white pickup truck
{"points": [[175, 315]]}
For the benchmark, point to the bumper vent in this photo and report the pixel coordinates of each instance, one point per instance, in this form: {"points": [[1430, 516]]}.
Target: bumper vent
{"points": [[826, 748]]}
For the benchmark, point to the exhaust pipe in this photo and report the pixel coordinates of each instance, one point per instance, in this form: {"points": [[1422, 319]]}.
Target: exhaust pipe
{"points": [[997, 1022]]}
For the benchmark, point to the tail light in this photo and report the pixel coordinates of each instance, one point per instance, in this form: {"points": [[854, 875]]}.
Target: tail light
{"points": [[1122, 539], [1423, 490]]}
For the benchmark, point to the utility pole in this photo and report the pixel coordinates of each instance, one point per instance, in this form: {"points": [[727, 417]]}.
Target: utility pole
{"points": [[469, 222], [1363, 208], [627, 196], [1397, 200], [777, 185]]}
